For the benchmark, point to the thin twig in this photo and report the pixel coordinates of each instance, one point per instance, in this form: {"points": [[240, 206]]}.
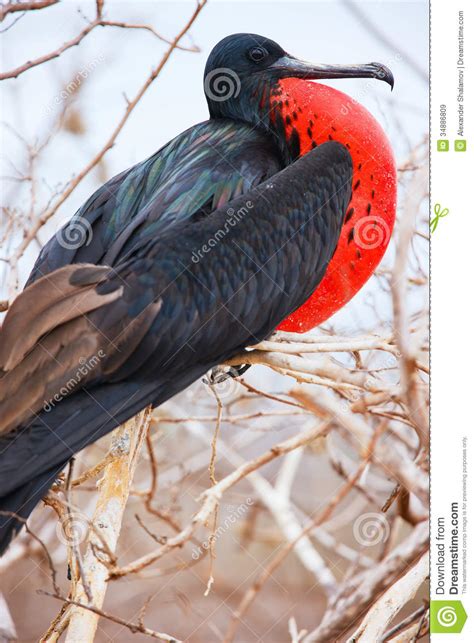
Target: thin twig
{"points": [[45, 216], [135, 628], [12, 7]]}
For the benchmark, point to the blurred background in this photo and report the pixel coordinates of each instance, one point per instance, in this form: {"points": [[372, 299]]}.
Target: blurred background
{"points": [[55, 118]]}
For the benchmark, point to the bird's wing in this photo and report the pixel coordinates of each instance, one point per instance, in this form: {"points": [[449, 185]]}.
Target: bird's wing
{"points": [[182, 303], [197, 172]]}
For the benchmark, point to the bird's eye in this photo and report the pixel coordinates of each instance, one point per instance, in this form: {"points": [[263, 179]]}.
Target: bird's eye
{"points": [[257, 54]]}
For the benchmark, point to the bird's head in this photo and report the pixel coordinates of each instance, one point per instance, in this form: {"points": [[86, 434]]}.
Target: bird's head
{"points": [[243, 70]]}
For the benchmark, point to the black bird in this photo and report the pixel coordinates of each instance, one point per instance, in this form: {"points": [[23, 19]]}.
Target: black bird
{"points": [[169, 269]]}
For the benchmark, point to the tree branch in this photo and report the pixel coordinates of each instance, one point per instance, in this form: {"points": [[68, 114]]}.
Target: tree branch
{"points": [[13, 7], [43, 218], [114, 488]]}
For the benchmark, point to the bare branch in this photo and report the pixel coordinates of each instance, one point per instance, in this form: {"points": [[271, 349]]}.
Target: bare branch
{"points": [[113, 495], [359, 593], [391, 602], [135, 628], [13, 7], [45, 216], [211, 498]]}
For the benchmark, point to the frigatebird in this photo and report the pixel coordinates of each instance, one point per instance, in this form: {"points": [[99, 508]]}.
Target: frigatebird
{"points": [[171, 268]]}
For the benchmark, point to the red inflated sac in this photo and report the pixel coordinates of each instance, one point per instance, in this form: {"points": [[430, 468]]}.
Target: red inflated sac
{"points": [[320, 113]]}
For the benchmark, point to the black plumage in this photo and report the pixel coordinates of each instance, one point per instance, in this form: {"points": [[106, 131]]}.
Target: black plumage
{"points": [[191, 315], [197, 172], [186, 259]]}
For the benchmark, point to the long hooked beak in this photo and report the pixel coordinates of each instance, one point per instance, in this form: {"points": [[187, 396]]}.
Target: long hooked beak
{"points": [[289, 67]]}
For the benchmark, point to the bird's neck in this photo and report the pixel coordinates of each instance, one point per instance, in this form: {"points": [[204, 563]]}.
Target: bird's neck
{"points": [[262, 105]]}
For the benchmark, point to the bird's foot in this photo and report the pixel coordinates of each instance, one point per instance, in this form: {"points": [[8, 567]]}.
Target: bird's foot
{"points": [[220, 374]]}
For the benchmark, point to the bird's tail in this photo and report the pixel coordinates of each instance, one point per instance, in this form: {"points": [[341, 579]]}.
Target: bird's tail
{"points": [[32, 456], [16, 506]]}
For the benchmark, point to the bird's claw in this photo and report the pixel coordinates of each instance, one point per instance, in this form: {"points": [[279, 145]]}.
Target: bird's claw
{"points": [[220, 374]]}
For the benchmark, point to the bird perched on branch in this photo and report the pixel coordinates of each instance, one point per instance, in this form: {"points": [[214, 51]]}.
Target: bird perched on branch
{"points": [[187, 258]]}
